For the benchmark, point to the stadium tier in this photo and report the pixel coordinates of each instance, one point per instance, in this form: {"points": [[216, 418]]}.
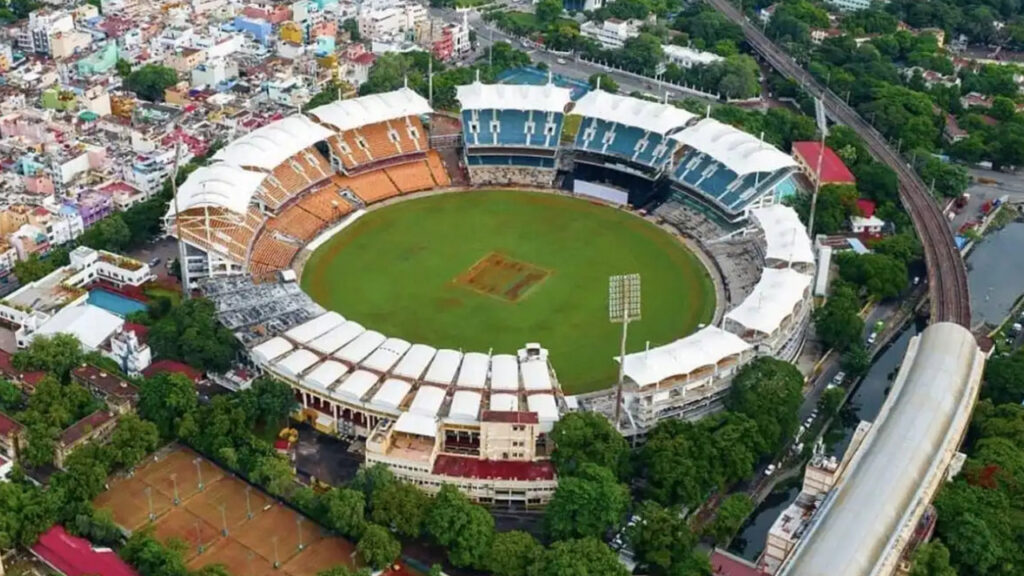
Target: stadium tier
{"points": [[730, 170], [504, 122], [628, 128]]}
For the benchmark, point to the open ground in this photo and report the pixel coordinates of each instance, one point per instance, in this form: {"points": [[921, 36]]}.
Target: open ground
{"points": [[225, 521], [540, 262]]}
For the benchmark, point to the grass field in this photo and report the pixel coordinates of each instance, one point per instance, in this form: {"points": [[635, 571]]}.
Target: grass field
{"points": [[402, 270]]}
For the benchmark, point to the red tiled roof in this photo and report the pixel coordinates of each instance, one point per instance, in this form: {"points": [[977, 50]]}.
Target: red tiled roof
{"points": [[80, 429], [463, 467], [723, 564], [833, 170], [73, 556], [9, 425], [161, 366], [866, 207], [509, 417], [107, 383], [8, 370]]}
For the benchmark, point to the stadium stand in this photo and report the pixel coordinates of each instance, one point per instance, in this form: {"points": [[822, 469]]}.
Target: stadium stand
{"points": [[437, 169], [512, 115], [267, 147], [370, 187], [375, 127], [296, 223], [270, 254], [252, 310], [411, 177], [628, 128], [326, 203], [730, 170]]}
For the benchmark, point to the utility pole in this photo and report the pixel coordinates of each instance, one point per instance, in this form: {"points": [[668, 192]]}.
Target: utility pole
{"points": [[623, 308], [182, 263]]}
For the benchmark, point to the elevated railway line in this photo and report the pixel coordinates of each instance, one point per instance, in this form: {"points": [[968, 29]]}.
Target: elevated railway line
{"points": [[947, 275]]}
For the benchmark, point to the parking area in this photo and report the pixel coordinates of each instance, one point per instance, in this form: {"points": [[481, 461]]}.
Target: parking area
{"points": [[328, 459]]}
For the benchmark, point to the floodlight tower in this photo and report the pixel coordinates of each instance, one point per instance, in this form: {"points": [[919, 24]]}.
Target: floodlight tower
{"points": [[623, 308], [823, 128], [182, 251]]}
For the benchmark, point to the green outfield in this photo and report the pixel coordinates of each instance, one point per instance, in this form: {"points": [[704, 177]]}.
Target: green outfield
{"points": [[492, 270]]}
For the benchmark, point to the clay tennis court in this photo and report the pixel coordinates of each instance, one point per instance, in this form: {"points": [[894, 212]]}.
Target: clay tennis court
{"points": [[248, 547]]}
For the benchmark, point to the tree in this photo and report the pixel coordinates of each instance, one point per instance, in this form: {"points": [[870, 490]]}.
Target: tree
{"points": [[768, 391], [378, 547], [57, 355], [838, 323], [732, 512], [583, 557], [98, 527], [123, 68], [830, 401], [604, 82], [904, 247], [166, 399], [547, 12], [513, 553], [856, 361], [1004, 378], [641, 54], [41, 446], [191, 333], [932, 559], [836, 203], [132, 440], [462, 527], [372, 479], [110, 233], [343, 570], [10, 396], [589, 503], [150, 557], [588, 437], [150, 81], [274, 400], [275, 474], [351, 26], [662, 542], [402, 508], [880, 275], [344, 511]]}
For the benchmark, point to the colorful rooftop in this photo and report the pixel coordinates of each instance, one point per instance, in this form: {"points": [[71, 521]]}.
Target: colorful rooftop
{"points": [[833, 170], [73, 556], [463, 467]]}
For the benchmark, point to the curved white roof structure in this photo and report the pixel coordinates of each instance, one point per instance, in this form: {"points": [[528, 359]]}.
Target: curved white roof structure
{"points": [[545, 407], [270, 350], [479, 96], [415, 362], [705, 347], [427, 401], [272, 144], [219, 185], [740, 152], [356, 112], [651, 116], [356, 385], [358, 349], [772, 300], [465, 406], [444, 367], [296, 363], [862, 526], [337, 337], [473, 373], [504, 372], [536, 376], [784, 234], [316, 327], [389, 353], [325, 375], [418, 424], [390, 395], [501, 402]]}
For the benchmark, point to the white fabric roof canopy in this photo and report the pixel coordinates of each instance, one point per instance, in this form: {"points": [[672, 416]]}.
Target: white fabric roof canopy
{"points": [[427, 401], [317, 326], [651, 116], [740, 152], [387, 355], [784, 234], [325, 374], [504, 372], [473, 373], [337, 337], [297, 362], [444, 366], [465, 405], [415, 361], [705, 347], [772, 299], [219, 185], [504, 402], [391, 394], [547, 97], [418, 424], [356, 112], [271, 349], [270, 145]]}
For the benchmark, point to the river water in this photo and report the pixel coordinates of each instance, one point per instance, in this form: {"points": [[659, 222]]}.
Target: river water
{"points": [[996, 278]]}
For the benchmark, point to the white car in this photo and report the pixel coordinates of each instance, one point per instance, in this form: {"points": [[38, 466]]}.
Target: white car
{"points": [[872, 337], [561, 61], [838, 378], [769, 470]]}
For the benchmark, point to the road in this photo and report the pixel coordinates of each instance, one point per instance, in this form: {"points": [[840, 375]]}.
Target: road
{"points": [[947, 275]]}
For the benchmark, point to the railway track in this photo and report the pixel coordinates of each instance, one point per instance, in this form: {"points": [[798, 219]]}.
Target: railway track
{"points": [[947, 276]]}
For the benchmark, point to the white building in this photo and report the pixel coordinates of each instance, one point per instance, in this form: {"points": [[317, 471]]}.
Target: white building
{"points": [[850, 5], [869, 225], [131, 355], [612, 33], [685, 57], [42, 26], [392, 21], [214, 72]]}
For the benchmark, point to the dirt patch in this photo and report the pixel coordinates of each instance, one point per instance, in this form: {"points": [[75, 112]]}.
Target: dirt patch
{"points": [[502, 277]]}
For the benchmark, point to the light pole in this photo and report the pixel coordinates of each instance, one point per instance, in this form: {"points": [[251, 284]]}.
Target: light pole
{"points": [[149, 496], [174, 483], [623, 308], [223, 521], [298, 525], [199, 472], [248, 506]]}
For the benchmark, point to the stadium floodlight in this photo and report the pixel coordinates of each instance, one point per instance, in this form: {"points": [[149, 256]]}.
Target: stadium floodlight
{"points": [[182, 251], [623, 308]]}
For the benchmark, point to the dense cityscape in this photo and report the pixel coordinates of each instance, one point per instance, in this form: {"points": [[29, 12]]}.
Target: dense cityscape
{"points": [[550, 288]]}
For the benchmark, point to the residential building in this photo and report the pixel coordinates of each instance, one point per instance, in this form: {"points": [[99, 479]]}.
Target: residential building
{"points": [[96, 427], [685, 57], [833, 169], [12, 437], [582, 5], [391, 22], [612, 33], [42, 25], [183, 60], [120, 395], [850, 5], [71, 555]]}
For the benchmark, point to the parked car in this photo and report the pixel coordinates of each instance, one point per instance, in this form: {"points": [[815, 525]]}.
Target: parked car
{"points": [[769, 470], [154, 262], [872, 337], [838, 378]]}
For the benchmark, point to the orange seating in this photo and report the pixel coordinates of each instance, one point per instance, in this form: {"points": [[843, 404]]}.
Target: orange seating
{"points": [[315, 166], [326, 204], [372, 186], [411, 177], [381, 139], [271, 253], [297, 223], [408, 126], [437, 169]]}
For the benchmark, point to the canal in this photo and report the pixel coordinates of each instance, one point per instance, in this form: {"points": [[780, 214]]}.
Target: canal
{"points": [[996, 277]]}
